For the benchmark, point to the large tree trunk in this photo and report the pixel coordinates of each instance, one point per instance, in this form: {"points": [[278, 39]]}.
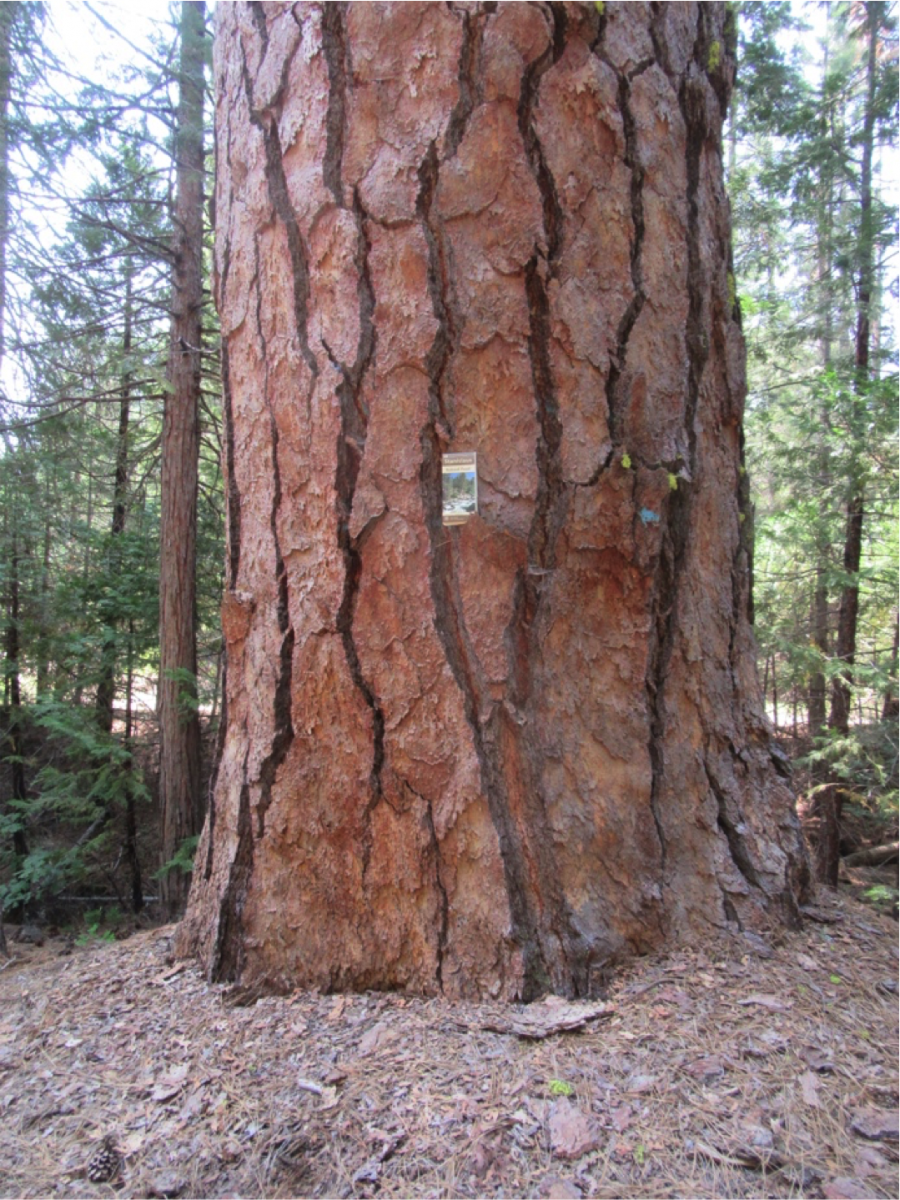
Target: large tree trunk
{"points": [[179, 727], [487, 758]]}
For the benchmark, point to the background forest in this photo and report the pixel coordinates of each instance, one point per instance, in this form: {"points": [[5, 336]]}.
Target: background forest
{"points": [[110, 436]]}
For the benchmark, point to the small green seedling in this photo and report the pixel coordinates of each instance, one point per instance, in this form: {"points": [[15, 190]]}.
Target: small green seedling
{"points": [[559, 1087]]}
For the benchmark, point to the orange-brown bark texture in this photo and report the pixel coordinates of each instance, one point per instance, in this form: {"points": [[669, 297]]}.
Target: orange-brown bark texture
{"points": [[488, 759]]}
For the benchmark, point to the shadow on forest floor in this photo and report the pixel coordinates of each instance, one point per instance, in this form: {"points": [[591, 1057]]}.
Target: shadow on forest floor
{"points": [[744, 1068]]}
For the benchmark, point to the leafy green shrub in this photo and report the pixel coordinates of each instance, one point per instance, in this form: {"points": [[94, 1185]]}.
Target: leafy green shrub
{"points": [[79, 791], [183, 860]]}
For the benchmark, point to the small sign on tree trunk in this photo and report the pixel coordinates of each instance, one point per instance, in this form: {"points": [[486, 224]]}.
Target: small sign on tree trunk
{"points": [[460, 492]]}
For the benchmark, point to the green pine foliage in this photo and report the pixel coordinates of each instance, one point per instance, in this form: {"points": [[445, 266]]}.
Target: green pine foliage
{"points": [[820, 431], [79, 481]]}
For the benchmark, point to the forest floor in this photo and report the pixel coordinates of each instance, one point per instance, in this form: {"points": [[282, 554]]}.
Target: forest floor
{"points": [[745, 1068]]}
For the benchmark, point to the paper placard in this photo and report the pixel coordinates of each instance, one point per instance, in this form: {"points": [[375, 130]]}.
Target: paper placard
{"points": [[460, 490]]}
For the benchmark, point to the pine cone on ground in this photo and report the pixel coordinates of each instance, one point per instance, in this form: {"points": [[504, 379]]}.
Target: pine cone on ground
{"points": [[105, 1162]]}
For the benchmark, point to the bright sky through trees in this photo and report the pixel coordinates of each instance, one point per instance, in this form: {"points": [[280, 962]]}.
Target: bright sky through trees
{"points": [[104, 45]]}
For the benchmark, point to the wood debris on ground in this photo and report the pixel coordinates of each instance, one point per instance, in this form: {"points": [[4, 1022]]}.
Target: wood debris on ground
{"points": [[742, 1069]]}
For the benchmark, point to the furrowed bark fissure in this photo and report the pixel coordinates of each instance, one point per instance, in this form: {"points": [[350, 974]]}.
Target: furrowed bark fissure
{"points": [[214, 774], [227, 950], [448, 614], [354, 428], [232, 518], [278, 193], [633, 311], [350, 450], [233, 490], [334, 47], [560, 942], [678, 523], [226, 957], [444, 924], [284, 210], [733, 831], [660, 44], [258, 14], [468, 76], [693, 108], [227, 954], [281, 715], [482, 716], [448, 620]]}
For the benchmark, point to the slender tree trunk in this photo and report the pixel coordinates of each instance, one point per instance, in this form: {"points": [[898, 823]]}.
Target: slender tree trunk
{"points": [[89, 515], [839, 717], [8, 13], [131, 846], [891, 707], [817, 710], [43, 653], [106, 688], [830, 799], [179, 762], [12, 674], [818, 688], [487, 758]]}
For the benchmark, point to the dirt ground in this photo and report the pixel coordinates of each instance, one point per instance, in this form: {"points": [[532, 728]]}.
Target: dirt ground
{"points": [[745, 1068]]}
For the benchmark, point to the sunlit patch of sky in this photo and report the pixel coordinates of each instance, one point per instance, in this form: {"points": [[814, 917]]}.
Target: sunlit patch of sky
{"points": [[108, 43]]}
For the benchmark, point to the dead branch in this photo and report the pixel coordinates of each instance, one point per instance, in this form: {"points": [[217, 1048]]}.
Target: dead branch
{"points": [[874, 856]]}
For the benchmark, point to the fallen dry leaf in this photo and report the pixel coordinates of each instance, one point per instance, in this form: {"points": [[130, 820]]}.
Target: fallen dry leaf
{"points": [[716, 1156], [869, 1160], [816, 1060], [376, 1038], [166, 1185], [337, 1008], [876, 1124], [559, 1189], [621, 1118], [571, 1133], [706, 1068], [846, 1189], [770, 1002], [809, 1089], [638, 1084], [132, 1143]]}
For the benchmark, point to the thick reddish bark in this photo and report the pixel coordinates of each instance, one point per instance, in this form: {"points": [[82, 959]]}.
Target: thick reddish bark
{"points": [[179, 759], [491, 758]]}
